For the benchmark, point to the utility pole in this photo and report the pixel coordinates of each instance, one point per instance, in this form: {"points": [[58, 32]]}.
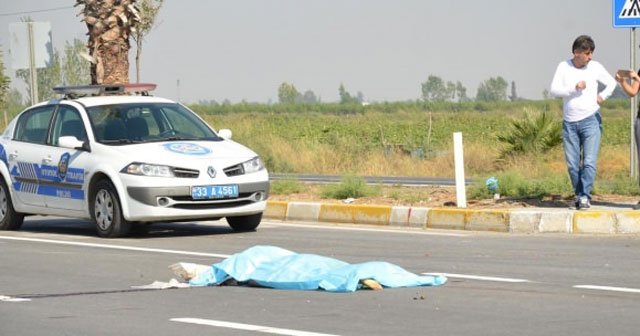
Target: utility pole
{"points": [[32, 65], [626, 14], [178, 89], [634, 110]]}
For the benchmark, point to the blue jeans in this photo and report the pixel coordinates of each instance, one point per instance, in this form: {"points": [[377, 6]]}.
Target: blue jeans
{"points": [[581, 140]]}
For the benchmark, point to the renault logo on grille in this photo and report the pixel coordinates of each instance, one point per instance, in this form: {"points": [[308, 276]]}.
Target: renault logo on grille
{"points": [[211, 171]]}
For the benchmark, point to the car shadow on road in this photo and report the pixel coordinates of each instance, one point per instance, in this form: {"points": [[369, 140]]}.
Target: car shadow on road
{"points": [[77, 227]]}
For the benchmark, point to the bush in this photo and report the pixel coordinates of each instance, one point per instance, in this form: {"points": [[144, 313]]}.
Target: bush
{"points": [[533, 134], [515, 184], [350, 187]]}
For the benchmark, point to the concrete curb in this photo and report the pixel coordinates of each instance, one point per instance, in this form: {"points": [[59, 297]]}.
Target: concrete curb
{"points": [[541, 220]]}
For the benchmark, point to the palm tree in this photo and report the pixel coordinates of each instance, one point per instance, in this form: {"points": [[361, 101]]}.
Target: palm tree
{"points": [[110, 23], [532, 135]]}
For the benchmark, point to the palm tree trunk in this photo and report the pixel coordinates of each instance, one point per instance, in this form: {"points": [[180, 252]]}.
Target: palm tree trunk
{"points": [[110, 23]]}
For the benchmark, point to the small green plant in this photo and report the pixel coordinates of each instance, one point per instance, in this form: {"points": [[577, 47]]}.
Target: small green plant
{"points": [[286, 187], [395, 194], [532, 135], [515, 184], [349, 187]]}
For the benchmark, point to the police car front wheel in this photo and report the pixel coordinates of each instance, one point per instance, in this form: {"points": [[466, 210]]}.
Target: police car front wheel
{"points": [[244, 223], [107, 212]]}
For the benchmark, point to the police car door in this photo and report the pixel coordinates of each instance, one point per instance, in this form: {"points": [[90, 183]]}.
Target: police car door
{"points": [[65, 187], [25, 154]]}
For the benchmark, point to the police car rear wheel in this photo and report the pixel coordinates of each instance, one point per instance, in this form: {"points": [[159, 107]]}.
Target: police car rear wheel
{"points": [[9, 218], [107, 213], [244, 223]]}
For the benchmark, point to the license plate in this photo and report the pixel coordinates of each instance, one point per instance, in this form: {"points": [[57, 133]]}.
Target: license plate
{"points": [[214, 191]]}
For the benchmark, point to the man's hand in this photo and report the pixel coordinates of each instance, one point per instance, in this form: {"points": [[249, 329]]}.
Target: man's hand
{"points": [[581, 85], [600, 100]]}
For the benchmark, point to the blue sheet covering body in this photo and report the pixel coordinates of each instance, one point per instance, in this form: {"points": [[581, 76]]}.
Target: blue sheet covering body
{"points": [[275, 267]]}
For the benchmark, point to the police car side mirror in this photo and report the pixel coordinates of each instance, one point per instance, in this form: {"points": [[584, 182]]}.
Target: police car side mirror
{"points": [[225, 133], [72, 142]]}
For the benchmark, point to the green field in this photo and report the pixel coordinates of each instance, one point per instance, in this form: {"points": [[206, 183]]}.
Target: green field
{"points": [[415, 139]]}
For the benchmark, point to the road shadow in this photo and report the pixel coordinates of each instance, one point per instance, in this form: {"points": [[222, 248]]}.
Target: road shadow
{"points": [[621, 206], [78, 227], [558, 203]]}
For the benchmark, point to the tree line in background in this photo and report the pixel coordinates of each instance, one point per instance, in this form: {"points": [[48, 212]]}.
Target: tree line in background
{"points": [[71, 68], [435, 89]]}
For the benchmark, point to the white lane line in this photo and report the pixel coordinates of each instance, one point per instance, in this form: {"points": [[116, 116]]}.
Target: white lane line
{"points": [[609, 288], [349, 228], [4, 298], [117, 247], [249, 327], [478, 277]]}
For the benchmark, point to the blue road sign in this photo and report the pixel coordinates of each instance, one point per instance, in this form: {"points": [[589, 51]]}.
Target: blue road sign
{"points": [[626, 13]]}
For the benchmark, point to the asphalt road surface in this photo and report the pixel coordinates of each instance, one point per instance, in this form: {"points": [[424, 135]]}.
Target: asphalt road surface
{"points": [[58, 278]]}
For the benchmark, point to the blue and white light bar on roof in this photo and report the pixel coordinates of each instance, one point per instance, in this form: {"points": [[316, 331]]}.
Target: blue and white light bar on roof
{"points": [[103, 90]]}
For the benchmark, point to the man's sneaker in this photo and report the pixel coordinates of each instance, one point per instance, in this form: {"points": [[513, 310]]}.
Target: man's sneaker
{"points": [[583, 203]]}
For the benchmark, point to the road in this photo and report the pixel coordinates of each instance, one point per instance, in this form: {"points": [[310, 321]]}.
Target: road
{"points": [[499, 284]]}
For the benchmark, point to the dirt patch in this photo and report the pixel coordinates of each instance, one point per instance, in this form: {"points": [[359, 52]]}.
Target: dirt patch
{"points": [[432, 197]]}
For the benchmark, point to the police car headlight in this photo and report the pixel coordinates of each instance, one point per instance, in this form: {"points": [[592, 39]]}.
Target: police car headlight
{"points": [[146, 169], [252, 165]]}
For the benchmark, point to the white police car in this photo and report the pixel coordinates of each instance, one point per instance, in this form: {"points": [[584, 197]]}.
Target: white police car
{"points": [[118, 156]]}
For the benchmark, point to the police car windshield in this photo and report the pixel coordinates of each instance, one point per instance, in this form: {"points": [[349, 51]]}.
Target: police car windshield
{"points": [[147, 122]]}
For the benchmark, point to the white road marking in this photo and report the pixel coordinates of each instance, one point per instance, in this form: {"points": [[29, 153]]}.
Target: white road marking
{"points": [[224, 256], [478, 277], [608, 288], [4, 298], [373, 229], [117, 247], [249, 327]]}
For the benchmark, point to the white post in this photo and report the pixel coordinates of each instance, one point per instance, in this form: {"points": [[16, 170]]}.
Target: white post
{"points": [[458, 157]]}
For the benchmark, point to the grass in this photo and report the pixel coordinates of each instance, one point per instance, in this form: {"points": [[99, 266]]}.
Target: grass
{"points": [[416, 140], [350, 187], [379, 194], [287, 186]]}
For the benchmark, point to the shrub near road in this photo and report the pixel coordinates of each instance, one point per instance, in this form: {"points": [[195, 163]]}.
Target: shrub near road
{"points": [[415, 139]]}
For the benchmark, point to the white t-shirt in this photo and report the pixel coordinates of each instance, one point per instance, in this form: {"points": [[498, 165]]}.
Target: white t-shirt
{"points": [[578, 105]]}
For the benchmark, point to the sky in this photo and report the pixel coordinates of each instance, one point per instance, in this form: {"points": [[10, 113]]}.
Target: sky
{"points": [[244, 49]]}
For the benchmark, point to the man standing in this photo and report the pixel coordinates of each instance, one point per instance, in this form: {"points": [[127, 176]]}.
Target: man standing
{"points": [[576, 81]]}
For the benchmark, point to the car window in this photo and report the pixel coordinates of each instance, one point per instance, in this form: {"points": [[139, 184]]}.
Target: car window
{"points": [[33, 124], [67, 122], [185, 124], [143, 122]]}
